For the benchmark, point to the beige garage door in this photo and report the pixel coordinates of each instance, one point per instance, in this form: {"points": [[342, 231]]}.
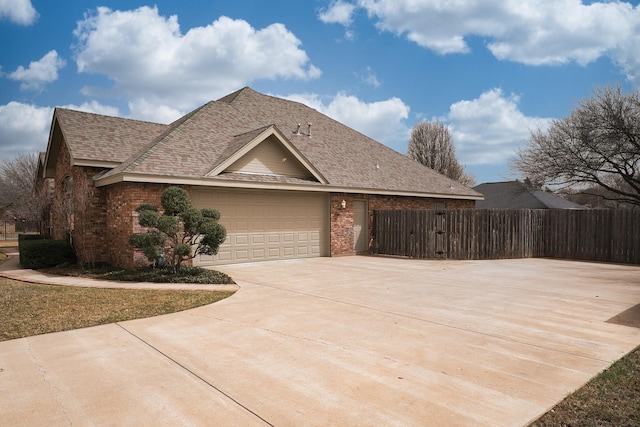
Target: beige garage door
{"points": [[266, 225]]}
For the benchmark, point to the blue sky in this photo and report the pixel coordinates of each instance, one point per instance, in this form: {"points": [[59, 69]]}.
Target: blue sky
{"points": [[491, 70]]}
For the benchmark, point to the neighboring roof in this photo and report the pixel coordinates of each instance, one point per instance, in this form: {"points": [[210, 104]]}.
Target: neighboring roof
{"points": [[195, 148], [516, 195]]}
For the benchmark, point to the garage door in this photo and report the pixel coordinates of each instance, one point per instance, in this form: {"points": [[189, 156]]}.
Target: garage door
{"points": [[266, 225]]}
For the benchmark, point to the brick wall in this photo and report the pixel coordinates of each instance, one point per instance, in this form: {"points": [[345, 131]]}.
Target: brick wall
{"points": [[122, 219], [63, 171], [78, 209], [342, 236]]}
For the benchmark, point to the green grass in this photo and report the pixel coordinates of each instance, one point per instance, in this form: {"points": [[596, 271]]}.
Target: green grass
{"points": [[30, 309]]}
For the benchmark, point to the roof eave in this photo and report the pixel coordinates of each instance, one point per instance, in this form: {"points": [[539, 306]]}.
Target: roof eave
{"points": [[95, 163], [321, 188]]}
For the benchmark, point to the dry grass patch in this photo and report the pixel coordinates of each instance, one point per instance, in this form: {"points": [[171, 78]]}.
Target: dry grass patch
{"points": [[29, 309], [610, 399]]}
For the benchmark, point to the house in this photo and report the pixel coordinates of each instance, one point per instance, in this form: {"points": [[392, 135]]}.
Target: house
{"points": [[516, 195], [289, 181]]}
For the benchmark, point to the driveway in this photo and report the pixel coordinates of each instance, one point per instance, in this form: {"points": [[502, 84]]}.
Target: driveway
{"points": [[340, 341]]}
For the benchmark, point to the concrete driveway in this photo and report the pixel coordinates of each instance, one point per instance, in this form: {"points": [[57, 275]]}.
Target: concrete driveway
{"points": [[340, 341]]}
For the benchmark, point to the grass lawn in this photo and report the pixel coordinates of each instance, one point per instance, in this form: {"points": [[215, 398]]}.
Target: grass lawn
{"points": [[29, 309], [610, 399]]}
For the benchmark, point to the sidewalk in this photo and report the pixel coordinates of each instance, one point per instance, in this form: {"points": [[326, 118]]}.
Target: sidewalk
{"points": [[8, 244], [12, 269]]}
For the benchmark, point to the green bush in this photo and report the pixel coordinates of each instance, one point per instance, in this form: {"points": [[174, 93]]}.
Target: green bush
{"points": [[26, 237], [41, 253]]}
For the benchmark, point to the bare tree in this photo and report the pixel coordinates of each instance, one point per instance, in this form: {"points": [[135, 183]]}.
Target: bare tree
{"points": [[596, 147], [431, 145], [83, 199], [17, 187]]}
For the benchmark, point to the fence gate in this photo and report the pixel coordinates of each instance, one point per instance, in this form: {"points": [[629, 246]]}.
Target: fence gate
{"points": [[415, 234]]}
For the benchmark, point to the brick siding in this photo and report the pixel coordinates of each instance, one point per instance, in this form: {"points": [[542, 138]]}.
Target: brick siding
{"points": [[86, 225], [122, 219], [342, 234]]}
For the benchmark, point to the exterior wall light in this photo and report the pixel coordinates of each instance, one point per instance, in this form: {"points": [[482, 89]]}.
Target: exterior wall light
{"points": [[343, 204]]}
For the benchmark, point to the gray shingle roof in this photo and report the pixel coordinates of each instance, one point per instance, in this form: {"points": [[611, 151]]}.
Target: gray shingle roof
{"points": [[516, 195], [103, 138], [193, 145]]}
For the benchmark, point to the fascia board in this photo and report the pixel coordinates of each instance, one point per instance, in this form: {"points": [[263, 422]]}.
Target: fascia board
{"points": [[212, 182]]}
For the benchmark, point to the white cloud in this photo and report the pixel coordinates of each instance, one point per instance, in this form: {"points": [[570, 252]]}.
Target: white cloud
{"points": [[338, 12], [94, 107], [370, 78], [40, 72], [142, 109], [19, 11], [489, 129], [535, 32], [152, 63], [24, 128], [383, 121]]}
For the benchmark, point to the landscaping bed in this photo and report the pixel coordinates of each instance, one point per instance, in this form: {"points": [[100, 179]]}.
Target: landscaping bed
{"points": [[187, 274]]}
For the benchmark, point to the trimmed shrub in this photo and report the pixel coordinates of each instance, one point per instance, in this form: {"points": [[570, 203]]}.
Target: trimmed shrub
{"points": [[41, 253], [26, 237]]}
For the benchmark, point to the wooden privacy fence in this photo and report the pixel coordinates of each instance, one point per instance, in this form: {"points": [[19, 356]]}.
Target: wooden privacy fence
{"points": [[473, 234], [9, 229]]}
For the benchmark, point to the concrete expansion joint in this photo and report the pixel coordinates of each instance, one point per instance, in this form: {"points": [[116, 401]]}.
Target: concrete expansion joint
{"points": [[193, 373], [56, 391]]}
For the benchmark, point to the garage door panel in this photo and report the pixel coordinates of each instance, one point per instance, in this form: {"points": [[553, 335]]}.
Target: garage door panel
{"points": [[258, 254], [274, 253], [241, 239], [273, 239], [266, 225]]}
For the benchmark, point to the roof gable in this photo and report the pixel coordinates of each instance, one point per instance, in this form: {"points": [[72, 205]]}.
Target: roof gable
{"points": [[94, 139], [266, 151]]}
